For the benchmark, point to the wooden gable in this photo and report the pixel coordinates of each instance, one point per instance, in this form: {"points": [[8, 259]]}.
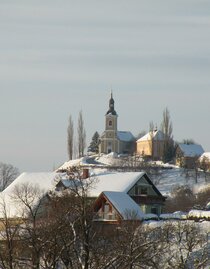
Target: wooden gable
{"points": [[105, 210]]}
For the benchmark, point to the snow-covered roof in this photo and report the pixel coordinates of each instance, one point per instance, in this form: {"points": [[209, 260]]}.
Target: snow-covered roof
{"points": [[191, 150], [199, 214], [175, 215], [126, 206], [43, 181], [76, 162], [205, 155], [125, 136], [115, 181], [156, 134]]}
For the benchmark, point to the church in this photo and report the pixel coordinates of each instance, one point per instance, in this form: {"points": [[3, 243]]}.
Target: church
{"points": [[112, 140]]}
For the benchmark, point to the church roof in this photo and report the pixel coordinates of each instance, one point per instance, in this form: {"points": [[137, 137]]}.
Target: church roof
{"points": [[125, 136], [156, 134]]}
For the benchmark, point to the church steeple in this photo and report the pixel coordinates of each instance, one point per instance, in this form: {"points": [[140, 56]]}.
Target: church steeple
{"points": [[111, 106]]}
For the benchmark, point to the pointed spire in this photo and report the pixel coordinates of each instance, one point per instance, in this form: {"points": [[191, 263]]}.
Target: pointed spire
{"points": [[111, 105]]}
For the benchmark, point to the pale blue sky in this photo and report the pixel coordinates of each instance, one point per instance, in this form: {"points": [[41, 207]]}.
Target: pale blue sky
{"points": [[58, 57]]}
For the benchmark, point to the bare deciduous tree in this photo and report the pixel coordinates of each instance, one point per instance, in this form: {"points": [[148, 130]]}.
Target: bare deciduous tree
{"points": [[182, 198], [7, 174], [29, 199], [70, 138], [186, 245], [81, 135], [9, 236]]}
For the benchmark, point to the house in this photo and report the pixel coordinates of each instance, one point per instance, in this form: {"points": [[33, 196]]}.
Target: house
{"points": [[137, 185], [30, 186], [116, 207], [126, 192], [151, 145], [112, 140], [188, 154]]}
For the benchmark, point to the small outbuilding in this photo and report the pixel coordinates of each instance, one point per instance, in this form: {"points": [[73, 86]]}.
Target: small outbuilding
{"points": [[188, 154]]}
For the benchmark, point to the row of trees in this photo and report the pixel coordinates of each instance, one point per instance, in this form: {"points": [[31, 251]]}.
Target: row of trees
{"points": [[59, 232], [76, 147]]}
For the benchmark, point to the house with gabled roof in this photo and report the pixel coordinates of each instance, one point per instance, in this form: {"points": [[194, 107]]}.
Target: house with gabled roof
{"points": [[137, 185], [151, 145], [126, 192], [38, 183], [188, 154], [115, 207]]}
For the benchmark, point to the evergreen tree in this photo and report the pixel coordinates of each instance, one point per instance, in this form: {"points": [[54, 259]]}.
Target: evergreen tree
{"points": [[70, 138], [94, 144], [167, 128], [81, 133]]}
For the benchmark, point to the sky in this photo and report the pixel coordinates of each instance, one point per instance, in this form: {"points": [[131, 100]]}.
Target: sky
{"points": [[58, 57]]}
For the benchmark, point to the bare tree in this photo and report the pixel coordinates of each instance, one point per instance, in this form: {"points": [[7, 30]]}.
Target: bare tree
{"points": [[186, 245], [9, 234], [81, 135], [188, 141], [167, 128], [8, 173], [30, 199], [182, 198], [70, 138]]}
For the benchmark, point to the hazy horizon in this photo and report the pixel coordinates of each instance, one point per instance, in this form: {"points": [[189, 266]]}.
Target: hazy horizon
{"points": [[60, 57]]}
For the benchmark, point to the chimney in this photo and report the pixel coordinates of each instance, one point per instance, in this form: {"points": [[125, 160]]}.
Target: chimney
{"points": [[85, 173]]}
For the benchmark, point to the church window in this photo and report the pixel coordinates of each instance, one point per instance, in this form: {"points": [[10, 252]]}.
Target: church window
{"points": [[110, 123]]}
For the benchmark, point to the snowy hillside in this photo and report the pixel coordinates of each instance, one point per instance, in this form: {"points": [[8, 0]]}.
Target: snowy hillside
{"points": [[165, 177]]}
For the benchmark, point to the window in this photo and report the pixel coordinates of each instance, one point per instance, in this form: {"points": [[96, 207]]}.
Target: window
{"points": [[143, 190], [140, 190], [110, 123], [154, 210]]}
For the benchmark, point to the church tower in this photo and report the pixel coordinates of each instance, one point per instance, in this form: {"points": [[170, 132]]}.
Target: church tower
{"points": [[109, 139]]}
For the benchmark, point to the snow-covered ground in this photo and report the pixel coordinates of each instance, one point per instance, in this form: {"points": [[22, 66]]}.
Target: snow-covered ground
{"points": [[165, 178]]}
